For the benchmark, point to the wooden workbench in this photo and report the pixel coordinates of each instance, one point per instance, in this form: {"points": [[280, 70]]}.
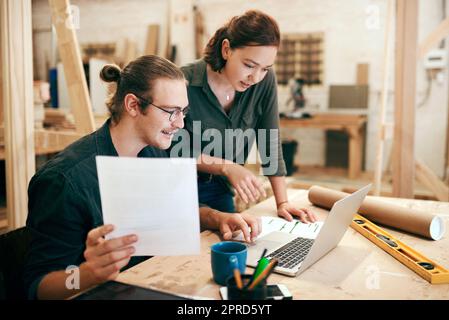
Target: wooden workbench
{"points": [[356, 269], [352, 125]]}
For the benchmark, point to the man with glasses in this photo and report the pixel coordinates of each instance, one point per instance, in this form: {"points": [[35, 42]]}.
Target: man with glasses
{"points": [[64, 216]]}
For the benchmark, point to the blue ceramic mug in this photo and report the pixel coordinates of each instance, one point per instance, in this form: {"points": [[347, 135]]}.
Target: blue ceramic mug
{"points": [[225, 257]]}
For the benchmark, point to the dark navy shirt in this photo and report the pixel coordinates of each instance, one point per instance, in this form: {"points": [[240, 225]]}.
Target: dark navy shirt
{"points": [[254, 111], [64, 205]]}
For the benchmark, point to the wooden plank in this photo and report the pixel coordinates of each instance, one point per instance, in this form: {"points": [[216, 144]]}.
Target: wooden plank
{"points": [[446, 174], [152, 45], [199, 31], [73, 68], [130, 52], [1, 98], [427, 177], [3, 219], [54, 141], [329, 121], [49, 141], [17, 63], [446, 167], [182, 30], [168, 39], [355, 152], [388, 46], [432, 39], [405, 84], [362, 74]]}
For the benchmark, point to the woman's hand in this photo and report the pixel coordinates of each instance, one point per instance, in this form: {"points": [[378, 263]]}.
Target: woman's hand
{"points": [[246, 184], [287, 211]]}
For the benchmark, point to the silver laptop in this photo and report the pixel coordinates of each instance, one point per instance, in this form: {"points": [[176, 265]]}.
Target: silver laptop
{"points": [[295, 253]]}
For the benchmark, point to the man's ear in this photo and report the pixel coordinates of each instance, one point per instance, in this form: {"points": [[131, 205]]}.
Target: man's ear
{"points": [[131, 105], [225, 49]]}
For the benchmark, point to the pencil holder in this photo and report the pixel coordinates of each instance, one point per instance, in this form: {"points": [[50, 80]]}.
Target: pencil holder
{"points": [[234, 293]]}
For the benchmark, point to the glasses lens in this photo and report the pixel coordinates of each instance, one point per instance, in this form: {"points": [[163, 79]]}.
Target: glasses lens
{"points": [[177, 113]]}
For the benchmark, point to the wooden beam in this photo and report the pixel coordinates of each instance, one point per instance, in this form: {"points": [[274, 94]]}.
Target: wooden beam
{"points": [[54, 140], [17, 68], [3, 219], [428, 178], [1, 98], [388, 46], [432, 39], [446, 166], [446, 173], [48, 141], [152, 45], [130, 52], [73, 67], [405, 85], [355, 152], [362, 74], [198, 21]]}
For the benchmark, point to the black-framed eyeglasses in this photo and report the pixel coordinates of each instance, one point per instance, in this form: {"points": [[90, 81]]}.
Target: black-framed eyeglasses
{"points": [[174, 114]]}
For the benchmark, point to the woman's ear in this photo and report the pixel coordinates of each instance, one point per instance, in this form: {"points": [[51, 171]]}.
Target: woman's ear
{"points": [[225, 49], [131, 105]]}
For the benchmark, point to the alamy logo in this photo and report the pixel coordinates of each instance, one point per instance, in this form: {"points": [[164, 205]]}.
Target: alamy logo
{"points": [[73, 280], [372, 21], [233, 145], [372, 281], [71, 18]]}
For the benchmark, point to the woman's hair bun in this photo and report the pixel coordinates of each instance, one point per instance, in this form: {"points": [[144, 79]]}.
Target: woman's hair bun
{"points": [[110, 73]]}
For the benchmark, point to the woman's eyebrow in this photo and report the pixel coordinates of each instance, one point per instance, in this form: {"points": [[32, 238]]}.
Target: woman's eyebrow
{"points": [[258, 64]]}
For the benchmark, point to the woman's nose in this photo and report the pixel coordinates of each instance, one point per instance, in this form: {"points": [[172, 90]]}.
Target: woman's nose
{"points": [[254, 77]]}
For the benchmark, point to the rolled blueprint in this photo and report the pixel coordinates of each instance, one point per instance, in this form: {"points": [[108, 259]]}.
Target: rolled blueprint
{"points": [[414, 221]]}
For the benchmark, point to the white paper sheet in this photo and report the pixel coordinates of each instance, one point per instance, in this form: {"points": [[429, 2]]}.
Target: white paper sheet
{"points": [[154, 198], [270, 224]]}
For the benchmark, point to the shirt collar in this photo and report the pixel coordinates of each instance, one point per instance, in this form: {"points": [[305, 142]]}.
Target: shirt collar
{"points": [[199, 77], [103, 140], [105, 146]]}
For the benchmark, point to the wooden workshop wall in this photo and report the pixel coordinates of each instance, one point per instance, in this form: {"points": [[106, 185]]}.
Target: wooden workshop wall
{"points": [[345, 45], [104, 22]]}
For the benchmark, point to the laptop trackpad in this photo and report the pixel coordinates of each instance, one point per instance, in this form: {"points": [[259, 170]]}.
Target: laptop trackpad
{"points": [[270, 242]]}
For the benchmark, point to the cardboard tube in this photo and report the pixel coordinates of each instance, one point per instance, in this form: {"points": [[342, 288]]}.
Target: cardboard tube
{"points": [[418, 222]]}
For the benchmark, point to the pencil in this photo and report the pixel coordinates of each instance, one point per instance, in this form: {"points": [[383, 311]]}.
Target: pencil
{"points": [[238, 278], [265, 273]]}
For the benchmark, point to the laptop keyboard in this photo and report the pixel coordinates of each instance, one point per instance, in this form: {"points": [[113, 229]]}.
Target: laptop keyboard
{"points": [[293, 253]]}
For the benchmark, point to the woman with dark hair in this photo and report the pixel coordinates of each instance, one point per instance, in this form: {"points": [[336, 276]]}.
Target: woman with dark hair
{"points": [[65, 218], [233, 98]]}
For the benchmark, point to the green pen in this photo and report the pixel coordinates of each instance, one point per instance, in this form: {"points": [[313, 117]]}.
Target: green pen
{"points": [[261, 267]]}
